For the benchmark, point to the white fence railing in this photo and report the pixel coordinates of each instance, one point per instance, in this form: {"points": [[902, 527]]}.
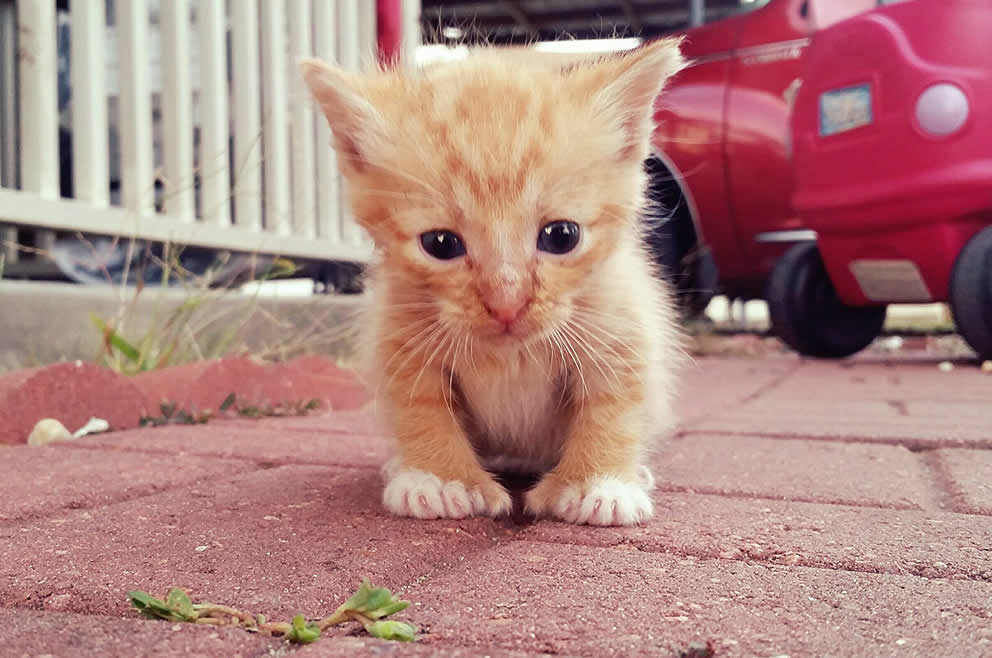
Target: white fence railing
{"points": [[188, 122]]}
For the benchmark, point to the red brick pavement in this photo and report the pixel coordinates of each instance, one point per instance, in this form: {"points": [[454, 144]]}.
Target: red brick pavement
{"points": [[803, 509]]}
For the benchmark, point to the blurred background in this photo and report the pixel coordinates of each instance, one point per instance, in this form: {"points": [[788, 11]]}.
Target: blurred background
{"points": [[169, 144]]}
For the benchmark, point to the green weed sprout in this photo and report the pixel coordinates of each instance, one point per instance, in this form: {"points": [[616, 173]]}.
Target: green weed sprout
{"points": [[369, 606]]}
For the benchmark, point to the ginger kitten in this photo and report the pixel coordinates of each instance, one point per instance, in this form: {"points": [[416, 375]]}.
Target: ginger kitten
{"points": [[512, 316]]}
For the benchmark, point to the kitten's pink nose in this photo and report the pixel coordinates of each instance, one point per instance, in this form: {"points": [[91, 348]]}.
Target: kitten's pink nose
{"points": [[506, 311]]}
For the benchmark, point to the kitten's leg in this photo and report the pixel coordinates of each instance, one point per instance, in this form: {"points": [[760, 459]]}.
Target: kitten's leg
{"points": [[437, 473], [599, 479]]}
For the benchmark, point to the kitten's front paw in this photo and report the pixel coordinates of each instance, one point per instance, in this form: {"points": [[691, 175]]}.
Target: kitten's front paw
{"points": [[603, 501], [412, 492]]}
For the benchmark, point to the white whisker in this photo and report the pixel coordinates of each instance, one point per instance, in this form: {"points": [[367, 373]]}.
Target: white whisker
{"points": [[419, 324], [572, 331], [577, 364], [448, 399], [419, 335], [443, 343], [471, 354], [432, 332], [562, 368], [598, 333]]}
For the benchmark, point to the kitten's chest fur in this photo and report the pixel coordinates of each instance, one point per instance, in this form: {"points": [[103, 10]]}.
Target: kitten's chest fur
{"points": [[515, 411]]}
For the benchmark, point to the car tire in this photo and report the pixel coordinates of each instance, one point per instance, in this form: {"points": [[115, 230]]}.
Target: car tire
{"points": [[971, 293], [672, 241], [342, 278], [807, 314]]}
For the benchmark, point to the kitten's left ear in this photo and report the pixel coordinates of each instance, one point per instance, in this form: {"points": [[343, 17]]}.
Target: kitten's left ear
{"points": [[628, 86], [357, 126]]}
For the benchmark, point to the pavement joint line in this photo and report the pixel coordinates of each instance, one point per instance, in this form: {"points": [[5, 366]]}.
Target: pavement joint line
{"points": [[746, 495], [945, 492], [939, 482], [722, 560], [685, 424], [147, 493], [911, 444], [311, 430], [248, 424], [771, 385], [260, 462], [674, 551]]}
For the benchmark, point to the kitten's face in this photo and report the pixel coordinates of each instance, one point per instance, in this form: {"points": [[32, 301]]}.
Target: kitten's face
{"points": [[496, 191]]}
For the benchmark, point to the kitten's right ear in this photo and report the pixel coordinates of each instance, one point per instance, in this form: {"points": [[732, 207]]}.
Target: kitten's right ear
{"points": [[356, 125]]}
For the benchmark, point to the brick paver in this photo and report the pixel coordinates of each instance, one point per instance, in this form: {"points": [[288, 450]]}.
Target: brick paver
{"points": [[711, 386], [350, 422], [912, 404], [278, 540], [793, 421], [968, 476], [932, 544], [816, 471], [263, 444], [50, 479], [803, 509], [562, 598], [891, 379], [34, 634], [77, 390]]}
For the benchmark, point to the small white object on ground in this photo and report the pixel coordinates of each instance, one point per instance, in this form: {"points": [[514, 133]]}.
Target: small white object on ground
{"points": [[892, 343], [92, 426], [987, 367], [945, 366], [48, 430]]}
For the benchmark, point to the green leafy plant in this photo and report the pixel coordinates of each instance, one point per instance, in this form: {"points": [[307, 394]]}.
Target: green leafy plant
{"points": [[192, 330], [200, 315], [270, 410], [171, 414], [369, 606], [177, 605]]}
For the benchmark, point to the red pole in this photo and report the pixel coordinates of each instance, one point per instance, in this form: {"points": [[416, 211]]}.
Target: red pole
{"points": [[389, 15]]}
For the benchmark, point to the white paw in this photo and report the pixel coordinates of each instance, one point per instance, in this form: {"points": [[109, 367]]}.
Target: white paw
{"points": [[602, 501], [412, 492]]}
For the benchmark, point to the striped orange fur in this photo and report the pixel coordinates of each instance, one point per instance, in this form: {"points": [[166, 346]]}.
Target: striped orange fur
{"points": [[492, 148]]}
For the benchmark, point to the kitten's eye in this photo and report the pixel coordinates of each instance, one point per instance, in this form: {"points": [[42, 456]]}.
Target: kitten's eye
{"points": [[559, 237], [442, 245]]}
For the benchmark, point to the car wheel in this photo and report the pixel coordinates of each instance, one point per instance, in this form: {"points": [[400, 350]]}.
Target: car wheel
{"points": [[971, 293], [672, 241], [342, 278], [807, 314]]}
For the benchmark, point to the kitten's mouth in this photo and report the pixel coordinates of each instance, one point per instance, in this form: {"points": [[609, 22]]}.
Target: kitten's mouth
{"points": [[517, 336], [507, 332]]}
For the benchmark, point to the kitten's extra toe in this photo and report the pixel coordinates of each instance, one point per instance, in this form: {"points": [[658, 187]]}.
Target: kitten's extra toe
{"points": [[423, 495], [603, 501]]}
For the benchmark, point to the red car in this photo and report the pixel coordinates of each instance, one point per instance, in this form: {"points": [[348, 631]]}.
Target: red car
{"points": [[893, 165], [721, 167]]}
